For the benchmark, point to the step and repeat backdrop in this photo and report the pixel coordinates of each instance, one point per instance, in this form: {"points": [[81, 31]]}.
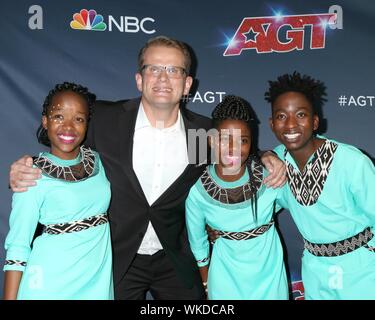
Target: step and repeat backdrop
{"points": [[238, 46]]}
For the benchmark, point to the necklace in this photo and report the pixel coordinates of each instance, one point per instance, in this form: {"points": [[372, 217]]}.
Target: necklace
{"points": [[238, 194], [77, 172]]}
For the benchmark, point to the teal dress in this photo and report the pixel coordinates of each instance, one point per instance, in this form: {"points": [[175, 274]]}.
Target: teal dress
{"points": [[331, 200], [249, 269], [75, 264]]}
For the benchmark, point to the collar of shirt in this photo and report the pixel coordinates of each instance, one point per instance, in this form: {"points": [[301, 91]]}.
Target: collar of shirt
{"points": [[143, 122]]}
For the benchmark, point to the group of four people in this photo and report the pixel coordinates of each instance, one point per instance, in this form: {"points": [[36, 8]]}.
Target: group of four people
{"points": [[162, 198]]}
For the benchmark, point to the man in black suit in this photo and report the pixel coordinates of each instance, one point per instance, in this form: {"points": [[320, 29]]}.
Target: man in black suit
{"points": [[144, 148]]}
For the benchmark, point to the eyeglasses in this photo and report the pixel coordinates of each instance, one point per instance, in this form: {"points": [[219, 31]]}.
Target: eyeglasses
{"points": [[172, 71]]}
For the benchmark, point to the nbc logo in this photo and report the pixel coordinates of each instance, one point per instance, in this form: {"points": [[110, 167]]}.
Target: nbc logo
{"points": [[88, 20]]}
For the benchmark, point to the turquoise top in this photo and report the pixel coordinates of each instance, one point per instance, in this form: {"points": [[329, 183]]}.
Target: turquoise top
{"points": [[238, 269], [331, 200], [75, 265], [346, 204]]}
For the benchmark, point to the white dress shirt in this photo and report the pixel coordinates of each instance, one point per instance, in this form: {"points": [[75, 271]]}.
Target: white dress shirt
{"points": [[159, 158]]}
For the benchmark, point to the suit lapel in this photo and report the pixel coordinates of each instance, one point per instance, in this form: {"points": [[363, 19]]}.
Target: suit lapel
{"points": [[126, 125]]}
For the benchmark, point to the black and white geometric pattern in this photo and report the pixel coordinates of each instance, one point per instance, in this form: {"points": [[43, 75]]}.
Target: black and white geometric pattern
{"points": [[245, 235], [234, 195], [308, 185], [341, 247], [15, 263], [78, 172], [76, 226]]}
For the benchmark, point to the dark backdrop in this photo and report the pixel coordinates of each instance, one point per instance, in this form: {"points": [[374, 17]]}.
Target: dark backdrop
{"points": [[39, 49]]}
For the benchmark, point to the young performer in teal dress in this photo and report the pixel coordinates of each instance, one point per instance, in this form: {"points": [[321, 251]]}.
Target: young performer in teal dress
{"points": [[330, 194], [72, 257], [247, 258]]}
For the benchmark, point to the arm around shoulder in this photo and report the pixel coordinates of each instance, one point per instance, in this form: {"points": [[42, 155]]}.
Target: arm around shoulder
{"points": [[22, 174]]}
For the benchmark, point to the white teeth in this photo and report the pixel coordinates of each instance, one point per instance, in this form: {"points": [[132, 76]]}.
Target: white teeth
{"points": [[292, 135], [162, 89], [66, 137]]}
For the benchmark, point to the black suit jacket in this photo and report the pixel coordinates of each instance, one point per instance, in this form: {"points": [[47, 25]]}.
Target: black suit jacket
{"points": [[111, 132]]}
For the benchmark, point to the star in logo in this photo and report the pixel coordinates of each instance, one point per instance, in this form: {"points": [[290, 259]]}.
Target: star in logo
{"points": [[251, 35]]}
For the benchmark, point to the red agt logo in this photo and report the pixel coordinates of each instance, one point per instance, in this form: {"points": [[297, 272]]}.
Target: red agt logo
{"points": [[263, 33]]}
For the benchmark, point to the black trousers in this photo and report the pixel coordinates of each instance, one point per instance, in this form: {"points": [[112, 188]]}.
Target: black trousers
{"points": [[154, 273]]}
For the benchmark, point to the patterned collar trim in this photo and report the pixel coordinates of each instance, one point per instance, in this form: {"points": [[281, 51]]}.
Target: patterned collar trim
{"points": [[238, 194], [307, 186], [74, 173]]}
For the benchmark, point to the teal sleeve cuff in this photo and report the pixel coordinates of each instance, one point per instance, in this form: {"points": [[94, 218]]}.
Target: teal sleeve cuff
{"points": [[203, 262], [14, 265]]}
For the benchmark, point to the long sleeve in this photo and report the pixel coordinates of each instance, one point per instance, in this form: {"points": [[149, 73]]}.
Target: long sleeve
{"points": [[362, 186], [280, 151], [281, 202], [196, 227], [23, 221]]}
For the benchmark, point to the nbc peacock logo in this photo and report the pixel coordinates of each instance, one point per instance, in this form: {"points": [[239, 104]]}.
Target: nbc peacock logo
{"points": [[88, 20]]}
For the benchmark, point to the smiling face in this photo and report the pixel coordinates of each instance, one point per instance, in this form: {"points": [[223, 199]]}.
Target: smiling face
{"points": [[293, 122], [160, 91], [232, 148], [66, 123]]}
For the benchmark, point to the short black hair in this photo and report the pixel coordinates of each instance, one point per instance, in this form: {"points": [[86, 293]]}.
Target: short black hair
{"points": [[314, 90], [66, 86], [234, 108]]}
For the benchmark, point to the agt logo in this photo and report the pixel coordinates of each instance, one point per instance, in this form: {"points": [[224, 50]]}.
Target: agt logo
{"points": [[204, 97], [90, 20], [281, 33]]}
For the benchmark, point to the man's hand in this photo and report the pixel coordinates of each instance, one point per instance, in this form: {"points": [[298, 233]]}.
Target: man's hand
{"points": [[22, 174], [276, 169]]}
